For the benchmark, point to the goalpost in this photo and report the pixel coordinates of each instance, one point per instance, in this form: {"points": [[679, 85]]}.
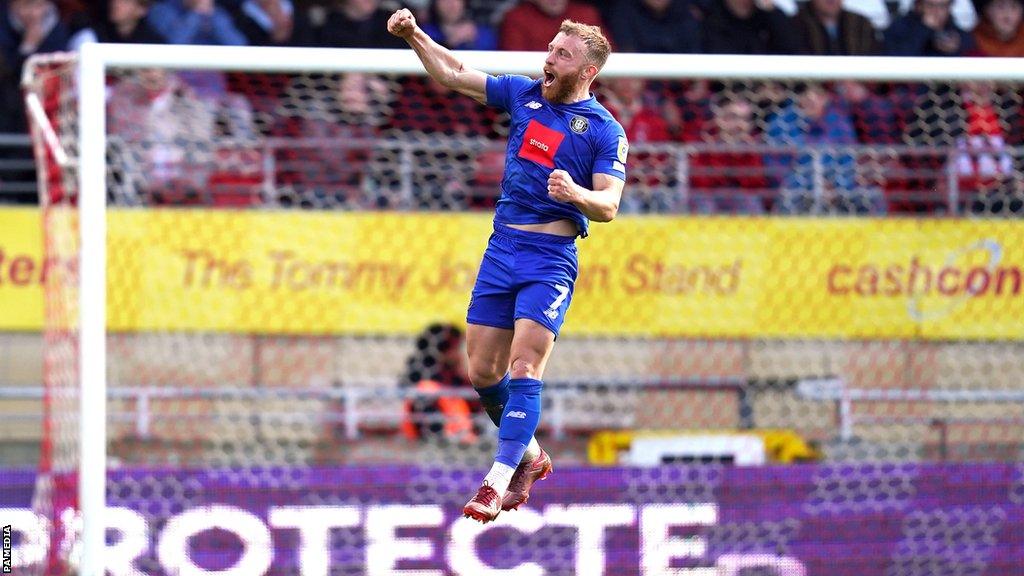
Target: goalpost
{"points": [[91, 157]]}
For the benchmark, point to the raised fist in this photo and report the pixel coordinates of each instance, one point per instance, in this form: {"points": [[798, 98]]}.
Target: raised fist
{"points": [[402, 23], [561, 187]]}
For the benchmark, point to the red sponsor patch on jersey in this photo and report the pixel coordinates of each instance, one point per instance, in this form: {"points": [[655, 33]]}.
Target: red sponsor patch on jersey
{"points": [[540, 144]]}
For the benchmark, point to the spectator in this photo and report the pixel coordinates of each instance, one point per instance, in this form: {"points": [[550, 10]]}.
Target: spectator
{"points": [[984, 157], [450, 25], [124, 23], [642, 120], [203, 22], [30, 27], [159, 117], [532, 24], [358, 24], [441, 175], [826, 29], [975, 120], [439, 364], [1000, 33], [815, 177], [651, 172], [748, 27], [927, 30], [660, 26], [195, 22], [352, 100], [427, 107], [273, 23], [724, 180], [873, 110], [27, 27], [349, 113], [686, 108]]}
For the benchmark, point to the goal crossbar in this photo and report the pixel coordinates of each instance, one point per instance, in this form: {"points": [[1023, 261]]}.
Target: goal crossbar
{"points": [[704, 66]]}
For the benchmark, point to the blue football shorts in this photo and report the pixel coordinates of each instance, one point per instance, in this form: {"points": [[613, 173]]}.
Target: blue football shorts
{"points": [[524, 275]]}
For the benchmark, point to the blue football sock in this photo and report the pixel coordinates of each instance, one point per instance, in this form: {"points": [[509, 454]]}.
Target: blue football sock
{"points": [[520, 420], [494, 398], [510, 452]]}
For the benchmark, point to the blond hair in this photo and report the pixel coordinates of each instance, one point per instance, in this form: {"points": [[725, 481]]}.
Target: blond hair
{"points": [[598, 47]]}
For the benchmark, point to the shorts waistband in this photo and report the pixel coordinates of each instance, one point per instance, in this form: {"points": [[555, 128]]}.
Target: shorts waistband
{"points": [[531, 237]]}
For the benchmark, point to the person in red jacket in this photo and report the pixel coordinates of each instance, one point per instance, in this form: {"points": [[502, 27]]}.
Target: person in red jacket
{"points": [[1000, 31], [626, 99], [637, 109], [533, 23], [723, 179]]}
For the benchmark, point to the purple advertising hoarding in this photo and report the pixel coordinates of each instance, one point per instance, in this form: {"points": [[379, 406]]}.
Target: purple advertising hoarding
{"points": [[834, 520]]}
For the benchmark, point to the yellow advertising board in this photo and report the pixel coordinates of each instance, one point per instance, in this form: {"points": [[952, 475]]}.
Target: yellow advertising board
{"points": [[21, 269], [335, 272]]}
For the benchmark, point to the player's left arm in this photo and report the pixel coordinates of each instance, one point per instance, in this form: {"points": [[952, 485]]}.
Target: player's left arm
{"points": [[599, 205]]}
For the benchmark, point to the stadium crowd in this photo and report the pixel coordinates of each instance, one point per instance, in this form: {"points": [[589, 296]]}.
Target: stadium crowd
{"points": [[754, 147]]}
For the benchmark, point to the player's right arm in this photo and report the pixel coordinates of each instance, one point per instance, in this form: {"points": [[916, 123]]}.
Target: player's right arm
{"points": [[439, 62]]}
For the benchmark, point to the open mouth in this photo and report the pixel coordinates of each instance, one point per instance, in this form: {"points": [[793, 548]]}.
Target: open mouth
{"points": [[549, 78]]}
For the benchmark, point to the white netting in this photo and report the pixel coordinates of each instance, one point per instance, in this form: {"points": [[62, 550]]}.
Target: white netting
{"points": [[291, 254], [56, 482], [364, 141]]}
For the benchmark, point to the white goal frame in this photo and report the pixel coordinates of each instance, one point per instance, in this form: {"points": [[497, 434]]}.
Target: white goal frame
{"points": [[94, 60]]}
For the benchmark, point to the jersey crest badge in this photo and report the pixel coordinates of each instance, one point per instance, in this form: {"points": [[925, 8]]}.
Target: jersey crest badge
{"points": [[579, 124]]}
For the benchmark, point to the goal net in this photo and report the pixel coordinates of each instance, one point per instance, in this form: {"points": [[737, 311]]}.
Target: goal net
{"points": [[804, 322]]}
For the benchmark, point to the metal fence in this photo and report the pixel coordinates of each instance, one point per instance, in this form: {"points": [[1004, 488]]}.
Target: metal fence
{"points": [[17, 170], [464, 174]]}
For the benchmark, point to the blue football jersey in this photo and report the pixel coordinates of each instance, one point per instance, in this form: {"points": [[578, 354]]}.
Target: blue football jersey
{"points": [[581, 138]]}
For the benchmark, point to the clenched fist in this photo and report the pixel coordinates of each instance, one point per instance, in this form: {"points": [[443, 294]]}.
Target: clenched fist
{"points": [[402, 23], [561, 187]]}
